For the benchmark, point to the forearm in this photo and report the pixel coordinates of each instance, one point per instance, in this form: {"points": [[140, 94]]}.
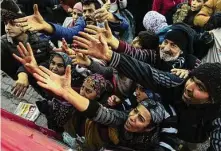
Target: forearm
{"points": [[78, 101], [95, 67], [143, 73], [143, 55]]}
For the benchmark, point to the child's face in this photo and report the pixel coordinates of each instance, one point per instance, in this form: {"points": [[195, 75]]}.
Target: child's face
{"points": [[57, 65], [140, 94], [196, 5], [12, 30], [75, 14]]}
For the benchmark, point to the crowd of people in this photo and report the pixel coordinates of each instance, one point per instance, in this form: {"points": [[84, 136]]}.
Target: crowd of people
{"points": [[108, 86]]}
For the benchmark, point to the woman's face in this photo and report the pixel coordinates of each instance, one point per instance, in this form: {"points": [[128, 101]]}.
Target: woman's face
{"points": [[196, 5], [138, 120], [57, 65], [75, 14], [88, 91]]}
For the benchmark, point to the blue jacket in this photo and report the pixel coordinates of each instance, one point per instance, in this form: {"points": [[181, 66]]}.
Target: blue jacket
{"points": [[68, 33]]}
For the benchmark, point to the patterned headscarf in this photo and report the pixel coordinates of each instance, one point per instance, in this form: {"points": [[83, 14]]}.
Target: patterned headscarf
{"points": [[154, 21], [156, 109], [98, 83]]}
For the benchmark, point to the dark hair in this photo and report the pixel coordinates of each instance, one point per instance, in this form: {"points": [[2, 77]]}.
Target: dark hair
{"points": [[148, 40], [88, 2], [214, 22]]}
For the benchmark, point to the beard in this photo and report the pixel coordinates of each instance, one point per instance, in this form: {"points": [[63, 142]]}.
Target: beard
{"points": [[167, 57]]}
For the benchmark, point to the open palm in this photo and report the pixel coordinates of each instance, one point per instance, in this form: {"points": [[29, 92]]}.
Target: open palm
{"points": [[106, 32], [33, 22], [53, 82], [96, 48], [27, 55]]}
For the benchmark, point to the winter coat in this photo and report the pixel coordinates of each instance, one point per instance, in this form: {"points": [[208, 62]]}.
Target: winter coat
{"points": [[195, 122], [41, 49], [208, 9], [163, 6]]}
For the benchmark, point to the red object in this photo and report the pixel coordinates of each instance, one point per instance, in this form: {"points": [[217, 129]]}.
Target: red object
{"points": [[163, 6], [19, 134]]}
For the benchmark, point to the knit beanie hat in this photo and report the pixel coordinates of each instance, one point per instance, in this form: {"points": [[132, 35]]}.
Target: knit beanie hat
{"points": [[179, 38], [156, 109], [210, 75], [10, 10], [78, 6]]}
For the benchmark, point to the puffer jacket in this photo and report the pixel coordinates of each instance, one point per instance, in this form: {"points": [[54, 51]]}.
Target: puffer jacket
{"points": [[208, 9]]}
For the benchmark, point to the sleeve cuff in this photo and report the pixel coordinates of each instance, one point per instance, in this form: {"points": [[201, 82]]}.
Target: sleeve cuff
{"points": [[115, 60], [121, 47], [92, 109]]}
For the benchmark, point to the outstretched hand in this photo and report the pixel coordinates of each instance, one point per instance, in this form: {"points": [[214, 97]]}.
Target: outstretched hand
{"points": [[33, 22], [105, 32], [81, 59], [59, 85], [27, 56], [97, 48], [182, 73]]}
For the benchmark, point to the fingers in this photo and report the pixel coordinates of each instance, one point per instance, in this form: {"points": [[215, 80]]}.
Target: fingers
{"points": [[58, 49], [106, 25], [68, 72], [35, 8], [90, 31], [39, 78], [23, 49], [30, 49], [80, 44], [20, 20], [86, 52], [37, 70], [94, 28], [101, 39], [20, 51], [46, 71], [19, 59], [87, 36], [82, 40], [43, 85], [19, 90]]}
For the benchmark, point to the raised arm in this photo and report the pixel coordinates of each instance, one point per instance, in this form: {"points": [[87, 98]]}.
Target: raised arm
{"points": [[136, 70], [144, 55], [61, 86]]}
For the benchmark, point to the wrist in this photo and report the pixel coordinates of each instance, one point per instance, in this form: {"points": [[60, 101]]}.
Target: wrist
{"points": [[109, 55], [114, 43], [88, 62], [22, 75], [48, 28]]}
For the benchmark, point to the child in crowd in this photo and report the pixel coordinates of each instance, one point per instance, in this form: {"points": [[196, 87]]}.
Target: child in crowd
{"points": [[186, 13]]}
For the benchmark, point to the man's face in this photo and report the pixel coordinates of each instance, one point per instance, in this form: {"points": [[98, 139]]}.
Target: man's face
{"points": [[169, 51], [12, 30], [195, 92], [140, 94], [138, 120], [88, 13], [135, 43], [57, 65], [196, 5]]}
